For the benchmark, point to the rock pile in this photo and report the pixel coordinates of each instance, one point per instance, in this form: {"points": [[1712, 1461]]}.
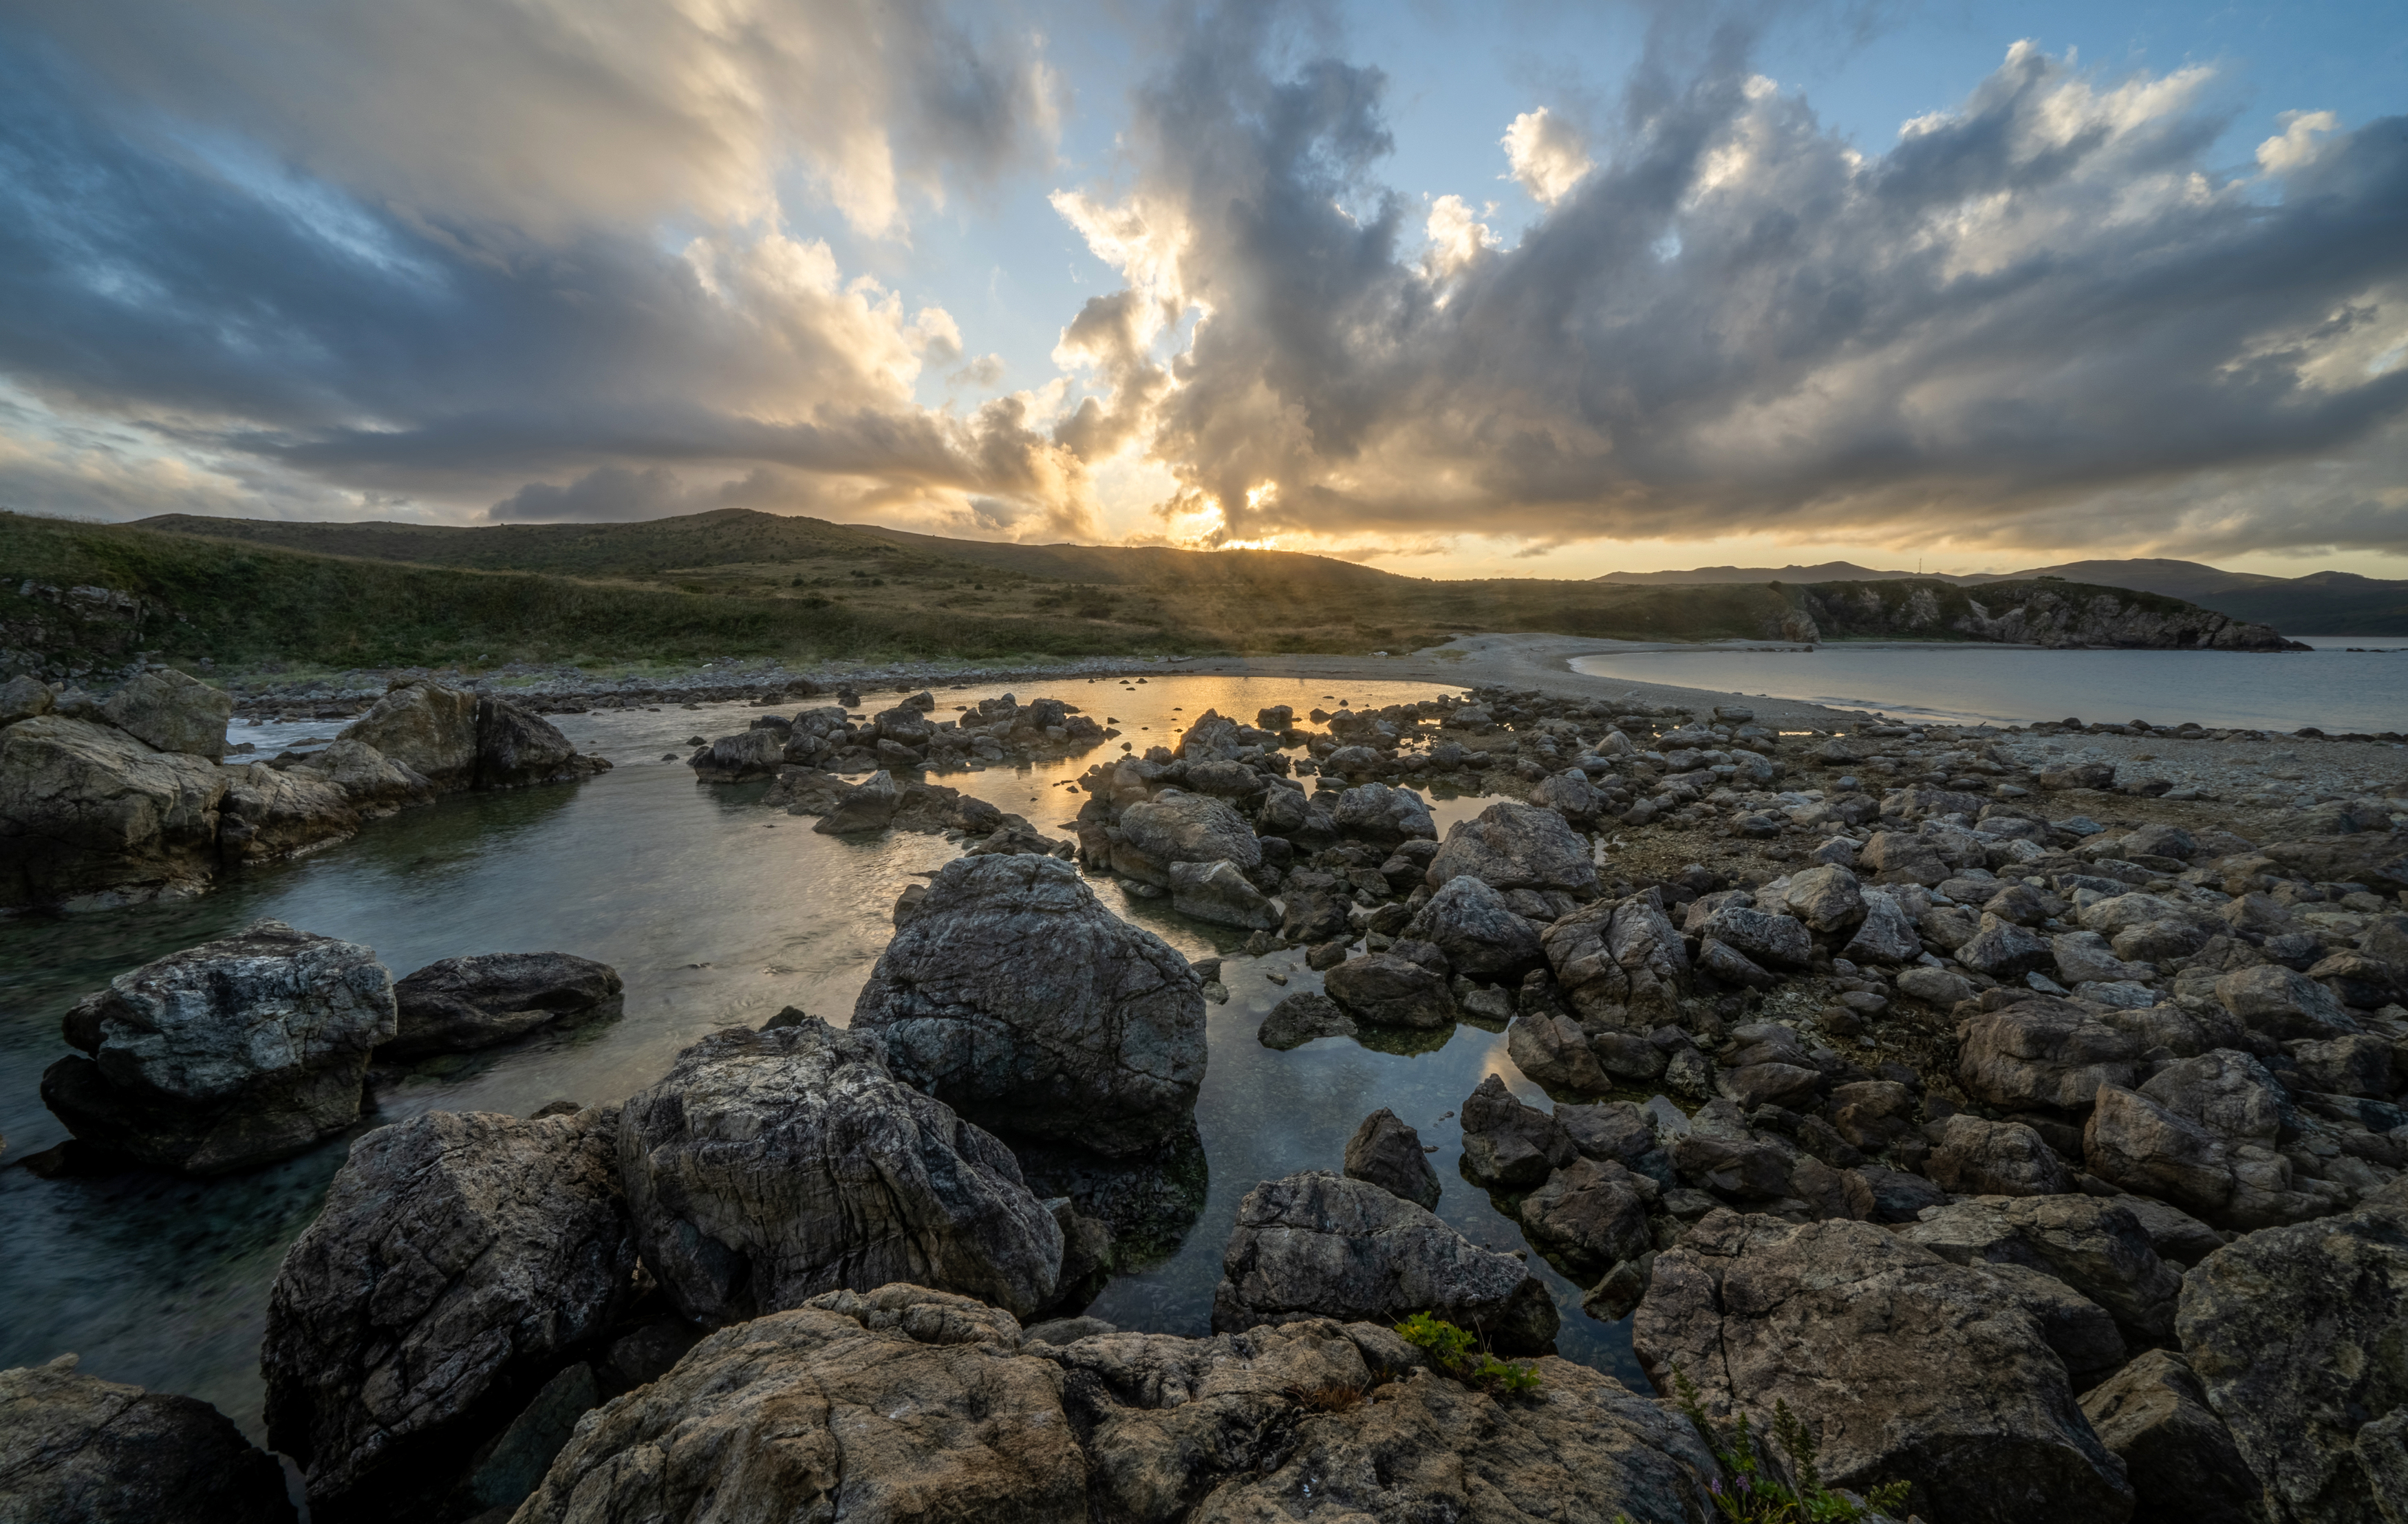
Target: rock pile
{"points": [[907, 739]]}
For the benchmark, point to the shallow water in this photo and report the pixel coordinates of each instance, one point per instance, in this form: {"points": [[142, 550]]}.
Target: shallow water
{"points": [[2333, 688], [714, 912]]}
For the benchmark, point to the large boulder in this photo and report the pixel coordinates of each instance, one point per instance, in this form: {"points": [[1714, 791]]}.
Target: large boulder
{"points": [[462, 1003], [868, 805], [1382, 815], [1219, 893], [230, 1054], [1016, 998], [426, 727], [265, 814], [1907, 1367], [1386, 1153], [1482, 937], [2299, 1335], [2043, 1052], [89, 814], [1317, 1244], [1592, 1214], [374, 782], [2097, 1247], [1619, 963], [1177, 827], [1386, 990], [2133, 1141], [1977, 1158], [1507, 1145], [461, 1259], [1516, 846], [769, 1167], [172, 711], [517, 747], [75, 1449], [2178, 1455], [2283, 1003]]}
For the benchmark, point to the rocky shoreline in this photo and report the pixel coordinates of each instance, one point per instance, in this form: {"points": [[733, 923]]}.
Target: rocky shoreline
{"points": [[2018, 1118]]}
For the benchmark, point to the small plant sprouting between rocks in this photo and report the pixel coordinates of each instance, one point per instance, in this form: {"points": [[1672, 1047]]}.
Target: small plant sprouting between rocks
{"points": [[1752, 1493], [1329, 1396], [1455, 1351]]}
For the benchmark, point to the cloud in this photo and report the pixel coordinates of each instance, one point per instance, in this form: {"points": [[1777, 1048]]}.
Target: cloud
{"points": [[2040, 312], [1548, 156]]}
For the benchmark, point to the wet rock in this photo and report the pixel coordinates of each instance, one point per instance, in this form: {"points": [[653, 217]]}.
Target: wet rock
{"points": [[87, 811], [264, 815], [868, 806], [2042, 1052], [2097, 1247], [2283, 1003], [1507, 1145], [1317, 1244], [460, 1261], [1388, 1154], [1384, 990], [1382, 815], [1301, 1017], [463, 1003], [226, 1055], [2185, 1469], [1553, 1051], [1908, 1364], [1593, 1212], [1618, 963], [79, 1451], [732, 760], [1516, 846], [1219, 893], [1016, 998], [428, 727], [2296, 1334], [1469, 920], [171, 711], [370, 780], [1176, 826], [1977, 1158], [769, 1167]]}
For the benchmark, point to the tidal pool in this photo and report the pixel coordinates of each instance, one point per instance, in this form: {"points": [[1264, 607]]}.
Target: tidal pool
{"points": [[716, 912]]}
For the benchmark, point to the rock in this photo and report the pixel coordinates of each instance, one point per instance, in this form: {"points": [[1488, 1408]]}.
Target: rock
{"points": [[1085, 1026], [87, 811], [746, 755], [2097, 1247], [1320, 1246], [1553, 1053], [1618, 963], [1382, 815], [1384, 990], [516, 749], [1872, 1115], [1977, 1158], [226, 1055], [2133, 1141], [1773, 1083], [22, 697], [1469, 920], [2180, 1459], [2296, 1334], [513, 1464], [2160, 840], [2042, 1052], [1516, 846], [2228, 1093], [1827, 898], [2078, 775], [1593, 1212], [1507, 1145], [460, 1261], [1906, 1365], [1763, 938], [1900, 1197], [2346, 1066], [1934, 987], [1388, 1154], [1886, 935], [371, 780], [2005, 951], [1176, 826], [1742, 1167], [428, 727], [265, 814], [1219, 893], [769, 1167], [75, 1449], [463, 1003], [1902, 857], [171, 711], [2283, 1003], [2179, 1238], [2083, 956], [1301, 1017], [1570, 795], [868, 806]]}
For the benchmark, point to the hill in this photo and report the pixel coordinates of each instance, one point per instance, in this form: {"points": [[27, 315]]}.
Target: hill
{"points": [[1828, 571]]}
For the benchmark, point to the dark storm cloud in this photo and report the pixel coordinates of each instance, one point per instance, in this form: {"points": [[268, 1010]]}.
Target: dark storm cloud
{"points": [[1738, 323]]}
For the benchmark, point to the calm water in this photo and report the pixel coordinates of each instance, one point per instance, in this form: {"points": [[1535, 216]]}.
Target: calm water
{"points": [[715, 911], [2332, 688]]}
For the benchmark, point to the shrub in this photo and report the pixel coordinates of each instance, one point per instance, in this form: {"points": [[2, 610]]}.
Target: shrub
{"points": [[1456, 1352], [1753, 1491]]}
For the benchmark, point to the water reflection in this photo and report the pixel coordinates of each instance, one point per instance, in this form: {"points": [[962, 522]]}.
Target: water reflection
{"points": [[714, 912]]}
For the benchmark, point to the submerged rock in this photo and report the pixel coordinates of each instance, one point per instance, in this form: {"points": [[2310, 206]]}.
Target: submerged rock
{"points": [[462, 1003], [76, 1449], [1301, 1017]]}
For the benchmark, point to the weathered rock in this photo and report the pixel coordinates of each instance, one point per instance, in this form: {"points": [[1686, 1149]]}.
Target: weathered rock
{"points": [[1770, 1083], [868, 806], [1177, 827], [1827, 898], [1219, 893], [1553, 1053], [2133, 1141], [1385, 990], [1301, 1017], [2180, 1459], [75, 1449], [1934, 987], [2346, 1066], [372, 780], [1872, 1115], [463, 1003], [2042, 1052], [2097, 1247], [1317, 1244], [746, 755], [1902, 857], [1388, 1154], [89, 814], [22, 697], [1506, 1144], [1737, 1166], [428, 727], [2004, 950], [517, 748], [1382, 815], [769, 1167], [1016, 998], [226, 1055], [1770, 940], [2298, 1335], [1977, 1158], [1570, 795], [2283, 1003], [1619, 963], [460, 1261], [1516, 846], [1886, 935], [2083, 956], [265, 814], [2226, 1092], [1911, 1367], [172, 711], [1593, 1212], [1469, 920]]}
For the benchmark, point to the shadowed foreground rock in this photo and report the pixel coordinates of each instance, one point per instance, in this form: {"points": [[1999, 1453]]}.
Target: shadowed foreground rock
{"points": [[769, 1167], [463, 1003], [907, 1404], [2181, 1460], [461, 1258], [1016, 998], [75, 1449]]}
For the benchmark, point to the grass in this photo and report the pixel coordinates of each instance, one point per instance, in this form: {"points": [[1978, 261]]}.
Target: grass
{"points": [[1753, 1489]]}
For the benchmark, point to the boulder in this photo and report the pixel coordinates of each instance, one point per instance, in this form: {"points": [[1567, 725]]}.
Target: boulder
{"points": [[2346, 1066], [1934, 987], [516, 748], [2133, 1141], [2097, 1247], [1887, 934], [89, 814], [1177, 827], [1507, 1145], [1618, 963], [2004, 950], [75, 1449], [1902, 857], [373, 782], [22, 697], [2283, 1003], [264, 815], [1513, 845], [746, 755], [1553, 1053], [2042, 1052], [1592, 1212], [1469, 920], [1301, 1017], [428, 727], [868, 805], [1763, 937], [1828, 898], [2226, 1092], [171, 711], [2185, 1469], [461, 1259], [1382, 815], [1570, 795], [769, 1167], [226, 1055], [1219, 893], [1317, 1244], [2297, 1334], [1388, 1154], [463, 1003], [1909, 1367], [1977, 1158], [1016, 998], [1385, 990], [2083, 956]]}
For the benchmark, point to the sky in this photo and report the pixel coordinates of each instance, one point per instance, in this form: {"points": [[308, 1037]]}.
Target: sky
{"points": [[1457, 290]]}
